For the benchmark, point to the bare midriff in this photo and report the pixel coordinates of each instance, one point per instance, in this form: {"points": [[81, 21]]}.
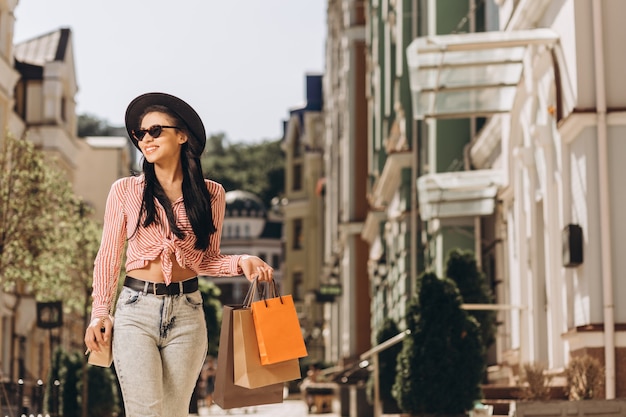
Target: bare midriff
{"points": [[152, 272]]}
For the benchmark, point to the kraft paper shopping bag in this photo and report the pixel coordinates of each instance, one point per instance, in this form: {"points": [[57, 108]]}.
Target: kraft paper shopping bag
{"points": [[249, 372], [227, 394], [278, 332]]}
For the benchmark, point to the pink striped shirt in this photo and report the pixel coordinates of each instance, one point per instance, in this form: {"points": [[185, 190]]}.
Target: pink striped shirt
{"points": [[152, 242]]}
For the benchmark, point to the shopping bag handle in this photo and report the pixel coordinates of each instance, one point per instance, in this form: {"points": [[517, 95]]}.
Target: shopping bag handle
{"points": [[261, 291], [272, 291], [255, 292]]}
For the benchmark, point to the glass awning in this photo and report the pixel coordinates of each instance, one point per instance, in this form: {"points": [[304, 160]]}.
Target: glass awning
{"points": [[458, 194], [474, 74]]}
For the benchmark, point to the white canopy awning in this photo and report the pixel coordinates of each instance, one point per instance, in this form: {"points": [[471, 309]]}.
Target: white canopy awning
{"points": [[458, 194], [474, 74]]}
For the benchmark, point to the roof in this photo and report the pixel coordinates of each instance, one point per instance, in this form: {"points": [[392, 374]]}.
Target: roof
{"points": [[241, 203], [43, 49]]}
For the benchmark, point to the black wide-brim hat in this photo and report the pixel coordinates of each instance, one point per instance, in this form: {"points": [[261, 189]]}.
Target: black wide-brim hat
{"points": [[191, 118]]}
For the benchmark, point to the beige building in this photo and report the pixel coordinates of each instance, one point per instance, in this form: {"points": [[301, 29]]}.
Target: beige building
{"points": [[346, 159], [101, 160], [302, 208], [37, 102]]}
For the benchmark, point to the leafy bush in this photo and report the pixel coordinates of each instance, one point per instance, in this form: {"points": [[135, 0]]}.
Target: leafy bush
{"points": [[103, 392], [65, 396], [212, 313], [442, 361]]}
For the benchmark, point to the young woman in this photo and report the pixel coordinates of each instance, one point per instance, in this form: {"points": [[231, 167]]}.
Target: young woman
{"points": [[171, 219]]}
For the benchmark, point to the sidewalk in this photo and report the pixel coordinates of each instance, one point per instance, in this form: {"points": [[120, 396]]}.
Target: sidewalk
{"points": [[289, 408]]}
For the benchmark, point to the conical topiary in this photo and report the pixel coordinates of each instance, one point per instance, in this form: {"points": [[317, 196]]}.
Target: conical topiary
{"points": [[462, 268], [441, 363]]}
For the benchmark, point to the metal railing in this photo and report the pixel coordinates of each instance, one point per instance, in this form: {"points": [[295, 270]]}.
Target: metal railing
{"points": [[373, 353]]}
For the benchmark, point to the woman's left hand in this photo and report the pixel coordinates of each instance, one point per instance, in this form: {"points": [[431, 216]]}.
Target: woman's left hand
{"points": [[254, 267]]}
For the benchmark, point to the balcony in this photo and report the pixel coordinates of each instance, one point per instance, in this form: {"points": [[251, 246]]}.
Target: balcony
{"points": [[474, 74], [458, 194]]}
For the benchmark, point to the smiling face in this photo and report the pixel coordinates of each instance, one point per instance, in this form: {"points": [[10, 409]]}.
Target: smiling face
{"points": [[164, 149]]}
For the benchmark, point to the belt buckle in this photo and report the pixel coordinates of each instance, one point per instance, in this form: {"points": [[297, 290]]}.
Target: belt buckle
{"points": [[154, 289]]}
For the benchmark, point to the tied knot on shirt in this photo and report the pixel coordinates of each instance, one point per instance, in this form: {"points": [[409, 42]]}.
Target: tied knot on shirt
{"points": [[171, 248]]}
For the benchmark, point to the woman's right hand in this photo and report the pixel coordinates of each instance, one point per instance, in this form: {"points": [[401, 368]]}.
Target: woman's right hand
{"points": [[254, 267], [95, 336]]}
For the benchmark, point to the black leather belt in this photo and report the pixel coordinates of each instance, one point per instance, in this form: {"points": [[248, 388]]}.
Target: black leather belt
{"points": [[159, 288]]}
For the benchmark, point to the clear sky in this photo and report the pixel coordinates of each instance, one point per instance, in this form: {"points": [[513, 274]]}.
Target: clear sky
{"points": [[240, 63]]}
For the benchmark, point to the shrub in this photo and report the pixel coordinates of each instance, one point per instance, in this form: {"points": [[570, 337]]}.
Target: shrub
{"points": [[536, 385], [585, 378], [65, 397], [461, 267], [442, 361]]}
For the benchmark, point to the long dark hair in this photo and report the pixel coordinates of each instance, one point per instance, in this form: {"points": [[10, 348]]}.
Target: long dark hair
{"points": [[196, 197]]}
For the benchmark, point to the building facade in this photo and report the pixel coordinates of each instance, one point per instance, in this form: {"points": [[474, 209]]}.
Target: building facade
{"points": [[303, 209], [391, 226], [37, 103], [513, 129]]}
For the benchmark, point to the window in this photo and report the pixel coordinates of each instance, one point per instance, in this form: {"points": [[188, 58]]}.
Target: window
{"points": [[298, 286], [297, 177], [63, 109], [298, 238]]}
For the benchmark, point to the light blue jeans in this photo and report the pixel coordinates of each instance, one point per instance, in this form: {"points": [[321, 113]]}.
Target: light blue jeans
{"points": [[159, 346]]}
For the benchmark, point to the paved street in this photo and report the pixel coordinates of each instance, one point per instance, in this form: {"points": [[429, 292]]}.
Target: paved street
{"points": [[289, 408]]}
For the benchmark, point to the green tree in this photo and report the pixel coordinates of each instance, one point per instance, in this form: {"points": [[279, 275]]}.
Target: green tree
{"points": [[70, 377], [90, 125], [103, 397], [441, 363], [62, 387], [257, 167], [88, 234], [461, 267], [38, 217], [212, 313], [65, 395]]}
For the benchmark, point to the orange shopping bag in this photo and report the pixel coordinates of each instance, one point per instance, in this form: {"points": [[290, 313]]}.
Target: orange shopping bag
{"points": [[277, 327]]}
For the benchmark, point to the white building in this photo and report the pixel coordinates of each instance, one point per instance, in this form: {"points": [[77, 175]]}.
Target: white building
{"points": [[541, 190]]}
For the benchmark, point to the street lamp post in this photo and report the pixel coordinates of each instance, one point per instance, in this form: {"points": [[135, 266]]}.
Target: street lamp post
{"points": [[19, 392], [38, 403], [54, 404]]}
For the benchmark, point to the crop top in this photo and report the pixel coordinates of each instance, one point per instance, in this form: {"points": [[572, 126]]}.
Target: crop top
{"points": [[157, 240]]}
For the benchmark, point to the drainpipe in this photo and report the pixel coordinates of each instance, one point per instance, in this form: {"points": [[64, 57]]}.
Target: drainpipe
{"points": [[605, 218]]}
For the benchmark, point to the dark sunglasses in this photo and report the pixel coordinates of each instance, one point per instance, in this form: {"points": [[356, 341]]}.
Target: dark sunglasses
{"points": [[154, 131]]}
